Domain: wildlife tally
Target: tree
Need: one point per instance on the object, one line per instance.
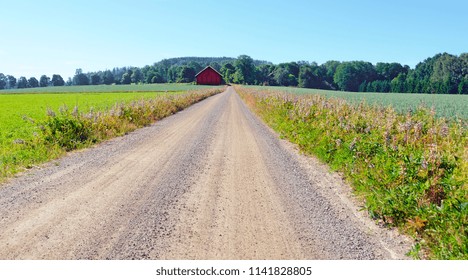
(286, 74)
(265, 75)
(57, 80)
(22, 82)
(346, 77)
(198, 67)
(227, 70)
(310, 76)
(292, 80)
(11, 81)
(350, 75)
(463, 87)
(291, 67)
(464, 63)
(126, 79)
(149, 76)
(3, 81)
(245, 70)
(281, 76)
(172, 74)
(447, 73)
(33, 82)
(80, 79)
(186, 75)
(215, 65)
(385, 86)
(117, 74)
(95, 79)
(44, 81)
(329, 69)
(363, 86)
(108, 77)
(388, 71)
(137, 76)
(398, 83)
(157, 79)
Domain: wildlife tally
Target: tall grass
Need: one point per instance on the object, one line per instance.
(70, 129)
(410, 169)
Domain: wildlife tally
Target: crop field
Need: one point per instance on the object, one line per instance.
(22, 114)
(448, 106)
(16, 110)
(109, 88)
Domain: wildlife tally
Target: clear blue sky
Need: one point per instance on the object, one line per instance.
(47, 36)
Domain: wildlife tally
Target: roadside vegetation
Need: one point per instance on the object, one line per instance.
(409, 168)
(444, 105)
(35, 128)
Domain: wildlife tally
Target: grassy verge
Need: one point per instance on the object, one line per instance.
(70, 129)
(450, 106)
(410, 169)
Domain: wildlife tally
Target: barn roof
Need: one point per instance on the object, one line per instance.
(207, 68)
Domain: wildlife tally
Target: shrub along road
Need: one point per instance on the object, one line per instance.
(211, 182)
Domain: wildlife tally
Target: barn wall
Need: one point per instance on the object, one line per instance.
(209, 77)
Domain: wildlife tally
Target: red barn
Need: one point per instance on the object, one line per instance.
(209, 76)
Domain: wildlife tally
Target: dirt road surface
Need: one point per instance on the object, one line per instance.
(211, 182)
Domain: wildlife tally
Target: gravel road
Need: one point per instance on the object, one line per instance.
(210, 182)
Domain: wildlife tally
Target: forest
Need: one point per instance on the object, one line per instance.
(441, 74)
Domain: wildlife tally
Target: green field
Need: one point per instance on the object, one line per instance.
(448, 106)
(15, 108)
(108, 88)
(21, 112)
(34, 102)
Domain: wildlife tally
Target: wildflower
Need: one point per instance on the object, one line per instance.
(405, 126)
(387, 137)
(75, 111)
(444, 130)
(418, 126)
(352, 145)
(50, 113)
(424, 163)
(28, 119)
(19, 141)
(338, 142)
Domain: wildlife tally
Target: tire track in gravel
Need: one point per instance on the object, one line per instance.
(210, 182)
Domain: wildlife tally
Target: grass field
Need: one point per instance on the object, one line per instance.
(108, 88)
(14, 109)
(448, 106)
(22, 112)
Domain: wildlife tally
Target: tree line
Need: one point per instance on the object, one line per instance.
(10, 82)
(443, 73)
